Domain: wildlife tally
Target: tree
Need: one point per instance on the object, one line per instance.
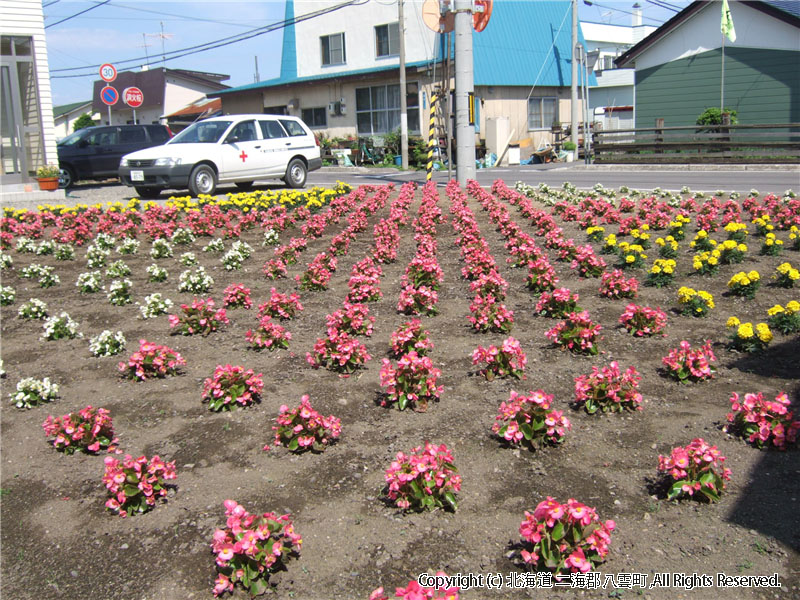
(713, 116)
(82, 122)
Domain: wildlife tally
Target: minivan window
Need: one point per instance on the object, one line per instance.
(132, 135)
(104, 137)
(158, 134)
(293, 127)
(202, 132)
(271, 130)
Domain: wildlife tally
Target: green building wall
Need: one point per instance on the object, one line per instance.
(762, 85)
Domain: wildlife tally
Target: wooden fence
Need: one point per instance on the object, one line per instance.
(771, 143)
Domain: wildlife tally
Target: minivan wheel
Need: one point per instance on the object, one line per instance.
(203, 180)
(148, 192)
(66, 177)
(296, 174)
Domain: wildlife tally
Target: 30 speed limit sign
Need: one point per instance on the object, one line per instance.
(107, 72)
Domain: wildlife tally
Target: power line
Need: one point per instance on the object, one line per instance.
(660, 4)
(76, 14)
(174, 54)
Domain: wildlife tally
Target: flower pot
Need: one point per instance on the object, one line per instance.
(48, 184)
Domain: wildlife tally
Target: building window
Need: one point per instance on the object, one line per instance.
(387, 40)
(606, 62)
(378, 108)
(542, 112)
(333, 49)
(314, 117)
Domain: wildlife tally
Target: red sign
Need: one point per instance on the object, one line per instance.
(109, 95)
(107, 72)
(133, 97)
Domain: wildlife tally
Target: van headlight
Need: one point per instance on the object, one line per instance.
(167, 162)
(123, 162)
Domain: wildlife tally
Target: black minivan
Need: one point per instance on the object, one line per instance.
(94, 152)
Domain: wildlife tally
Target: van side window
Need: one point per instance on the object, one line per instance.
(105, 137)
(293, 127)
(271, 130)
(245, 131)
(133, 135)
(158, 134)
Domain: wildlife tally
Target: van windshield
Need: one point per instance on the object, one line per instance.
(71, 139)
(202, 132)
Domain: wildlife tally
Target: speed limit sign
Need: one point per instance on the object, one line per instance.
(107, 72)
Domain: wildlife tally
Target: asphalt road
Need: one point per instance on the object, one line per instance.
(709, 180)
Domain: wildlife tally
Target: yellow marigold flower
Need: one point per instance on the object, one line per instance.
(668, 270)
(745, 331)
(660, 241)
(794, 274)
(754, 276)
(732, 322)
(655, 270)
(742, 248)
(702, 233)
(775, 310)
(630, 258)
(784, 268)
(712, 260)
(764, 334)
(793, 307)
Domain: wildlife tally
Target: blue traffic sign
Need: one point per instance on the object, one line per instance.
(109, 95)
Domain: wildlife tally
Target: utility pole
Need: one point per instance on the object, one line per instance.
(403, 100)
(465, 84)
(574, 87)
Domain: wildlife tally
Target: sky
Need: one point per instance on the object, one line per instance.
(82, 34)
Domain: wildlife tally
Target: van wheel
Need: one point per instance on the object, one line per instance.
(296, 174)
(244, 185)
(203, 180)
(148, 192)
(66, 177)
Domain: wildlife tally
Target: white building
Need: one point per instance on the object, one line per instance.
(164, 91)
(26, 126)
(612, 99)
(340, 70)
(64, 116)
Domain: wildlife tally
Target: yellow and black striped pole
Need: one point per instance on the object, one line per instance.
(431, 137)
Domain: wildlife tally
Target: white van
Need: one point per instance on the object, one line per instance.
(236, 149)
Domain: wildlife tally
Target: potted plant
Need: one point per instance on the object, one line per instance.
(569, 147)
(47, 176)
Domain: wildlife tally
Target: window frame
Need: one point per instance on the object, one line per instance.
(388, 28)
(316, 111)
(386, 109)
(540, 100)
(322, 45)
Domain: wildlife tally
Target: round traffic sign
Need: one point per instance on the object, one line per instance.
(133, 97)
(107, 72)
(109, 95)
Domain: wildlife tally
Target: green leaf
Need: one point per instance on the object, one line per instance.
(258, 586)
(527, 430)
(402, 402)
(130, 490)
(451, 499)
(558, 531)
(294, 444)
(676, 489)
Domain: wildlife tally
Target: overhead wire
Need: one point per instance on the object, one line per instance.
(240, 37)
(76, 14)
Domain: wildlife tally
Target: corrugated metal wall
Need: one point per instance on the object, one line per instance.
(762, 85)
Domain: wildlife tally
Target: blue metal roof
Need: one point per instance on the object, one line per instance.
(526, 43)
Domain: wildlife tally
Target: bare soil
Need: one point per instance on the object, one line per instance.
(58, 541)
